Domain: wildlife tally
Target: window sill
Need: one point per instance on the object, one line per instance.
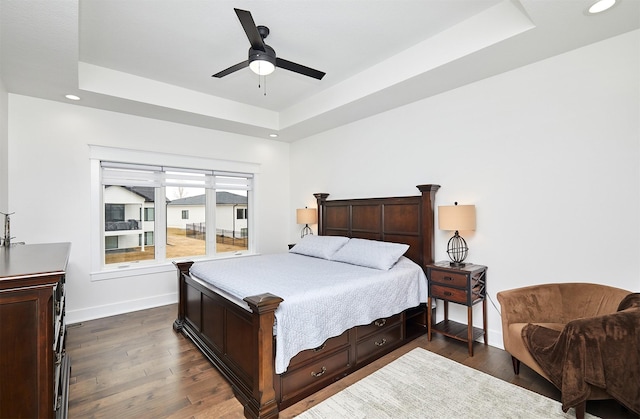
(123, 271)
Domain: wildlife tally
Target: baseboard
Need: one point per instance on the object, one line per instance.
(495, 339)
(92, 313)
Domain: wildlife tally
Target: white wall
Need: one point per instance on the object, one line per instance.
(548, 153)
(49, 190)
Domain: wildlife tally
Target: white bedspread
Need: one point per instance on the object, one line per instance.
(322, 299)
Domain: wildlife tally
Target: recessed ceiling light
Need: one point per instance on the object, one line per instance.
(72, 97)
(601, 6)
(273, 135)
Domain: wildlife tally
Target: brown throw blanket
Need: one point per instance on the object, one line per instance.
(601, 351)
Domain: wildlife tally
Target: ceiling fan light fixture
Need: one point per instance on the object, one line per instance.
(262, 67)
(262, 62)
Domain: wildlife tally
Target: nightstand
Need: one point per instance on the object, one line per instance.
(461, 285)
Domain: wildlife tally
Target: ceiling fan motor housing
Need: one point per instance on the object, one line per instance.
(267, 55)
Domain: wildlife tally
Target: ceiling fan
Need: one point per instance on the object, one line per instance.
(262, 58)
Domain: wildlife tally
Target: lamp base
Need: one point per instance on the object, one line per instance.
(457, 264)
(306, 230)
(457, 250)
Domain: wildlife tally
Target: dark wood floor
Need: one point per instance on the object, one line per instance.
(135, 365)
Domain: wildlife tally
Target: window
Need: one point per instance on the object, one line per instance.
(159, 213)
(111, 242)
(149, 214)
(113, 212)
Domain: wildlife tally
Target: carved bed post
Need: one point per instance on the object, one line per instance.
(322, 199)
(263, 402)
(428, 224)
(183, 268)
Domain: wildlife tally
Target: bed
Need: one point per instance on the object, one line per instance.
(239, 339)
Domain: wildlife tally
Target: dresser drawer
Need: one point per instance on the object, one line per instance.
(377, 325)
(326, 347)
(451, 294)
(378, 342)
(314, 373)
(452, 279)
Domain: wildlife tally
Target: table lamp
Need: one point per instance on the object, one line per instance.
(454, 218)
(306, 216)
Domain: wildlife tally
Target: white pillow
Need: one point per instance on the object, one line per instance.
(370, 253)
(319, 246)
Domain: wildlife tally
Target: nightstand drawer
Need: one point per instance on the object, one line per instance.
(450, 294)
(449, 278)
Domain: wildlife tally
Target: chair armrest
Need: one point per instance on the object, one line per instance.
(534, 304)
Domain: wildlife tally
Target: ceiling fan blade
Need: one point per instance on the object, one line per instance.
(249, 26)
(231, 69)
(299, 68)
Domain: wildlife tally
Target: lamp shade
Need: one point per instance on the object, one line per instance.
(457, 217)
(306, 216)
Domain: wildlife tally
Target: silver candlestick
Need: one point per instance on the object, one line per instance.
(7, 229)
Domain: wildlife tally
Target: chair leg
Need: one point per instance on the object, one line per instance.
(516, 365)
(580, 409)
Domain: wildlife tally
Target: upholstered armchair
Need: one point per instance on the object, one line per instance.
(554, 306)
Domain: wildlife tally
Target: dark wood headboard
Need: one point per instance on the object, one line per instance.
(407, 219)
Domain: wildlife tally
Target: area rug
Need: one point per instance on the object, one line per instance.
(421, 384)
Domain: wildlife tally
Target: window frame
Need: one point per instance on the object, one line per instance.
(101, 271)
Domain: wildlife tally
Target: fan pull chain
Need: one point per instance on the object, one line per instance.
(263, 84)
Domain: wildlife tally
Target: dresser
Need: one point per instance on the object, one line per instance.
(34, 369)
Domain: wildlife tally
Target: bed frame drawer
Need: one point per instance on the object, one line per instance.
(314, 374)
(383, 341)
(328, 346)
(377, 325)
(450, 294)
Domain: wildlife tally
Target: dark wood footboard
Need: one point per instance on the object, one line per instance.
(238, 342)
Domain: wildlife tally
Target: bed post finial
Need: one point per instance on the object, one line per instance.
(321, 198)
(428, 224)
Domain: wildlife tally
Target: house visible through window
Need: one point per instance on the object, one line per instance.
(157, 213)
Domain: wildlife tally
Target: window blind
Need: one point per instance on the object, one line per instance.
(125, 174)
